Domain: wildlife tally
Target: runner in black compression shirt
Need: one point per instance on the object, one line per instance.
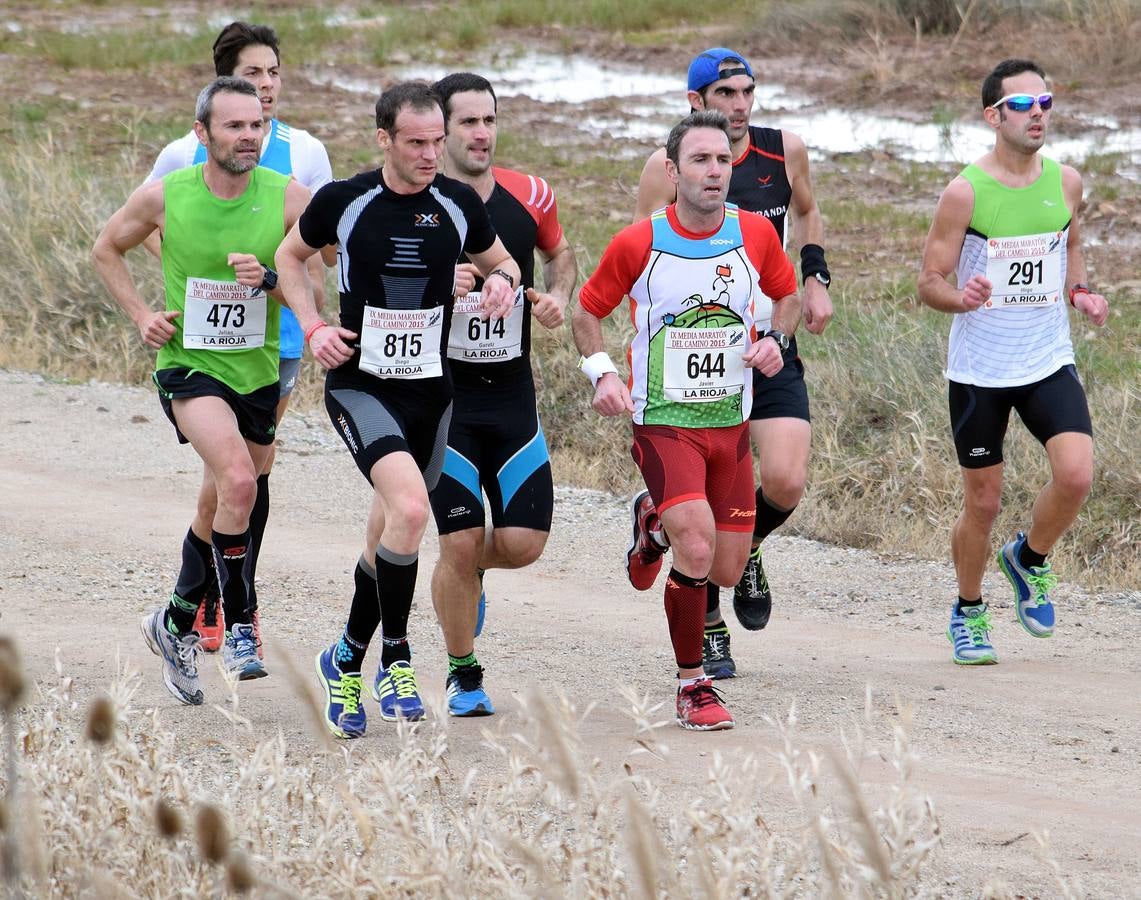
(399, 233)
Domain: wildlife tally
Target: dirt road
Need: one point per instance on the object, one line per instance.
(97, 496)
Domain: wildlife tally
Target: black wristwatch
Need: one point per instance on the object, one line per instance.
(780, 337)
(504, 275)
(269, 279)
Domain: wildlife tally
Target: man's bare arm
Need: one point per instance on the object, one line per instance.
(941, 254)
(128, 227)
(655, 190)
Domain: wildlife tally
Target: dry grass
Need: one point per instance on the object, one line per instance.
(883, 472)
(57, 318)
(111, 809)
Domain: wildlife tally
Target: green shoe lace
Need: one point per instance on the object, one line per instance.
(348, 692)
(978, 626)
(1043, 581)
(403, 682)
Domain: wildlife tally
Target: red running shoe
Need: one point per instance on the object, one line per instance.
(210, 621)
(700, 708)
(648, 544)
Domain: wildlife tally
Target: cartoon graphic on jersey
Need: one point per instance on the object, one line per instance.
(721, 283)
(695, 363)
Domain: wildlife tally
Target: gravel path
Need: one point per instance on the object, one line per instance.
(98, 496)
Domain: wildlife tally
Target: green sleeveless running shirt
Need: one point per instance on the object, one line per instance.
(223, 334)
(1002, 211)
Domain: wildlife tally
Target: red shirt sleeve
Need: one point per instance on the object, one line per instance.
(538, 198)
(778, 277)
(622, 262)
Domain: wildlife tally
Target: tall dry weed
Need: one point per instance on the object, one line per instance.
(541, 817)
(57, 317)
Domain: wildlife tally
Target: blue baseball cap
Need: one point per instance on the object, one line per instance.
(703, 71)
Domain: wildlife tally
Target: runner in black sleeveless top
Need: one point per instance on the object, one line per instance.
(495, 443)
(770, 177)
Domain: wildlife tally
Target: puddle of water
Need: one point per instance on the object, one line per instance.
(832, 131)
(658, 102)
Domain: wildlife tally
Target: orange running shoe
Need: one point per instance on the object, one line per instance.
(210, 621)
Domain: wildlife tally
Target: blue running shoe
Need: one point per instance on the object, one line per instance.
(344, 714)
(466, 696)
(1031, 589)
(969, 634)
(240, 653)
(396, 691)
(483, 606)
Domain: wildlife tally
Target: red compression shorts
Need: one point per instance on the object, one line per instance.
(711, 464)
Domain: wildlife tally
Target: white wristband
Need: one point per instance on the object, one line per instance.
(596, 365)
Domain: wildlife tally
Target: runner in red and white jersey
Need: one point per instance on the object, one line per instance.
(771, 177)
(694, 273)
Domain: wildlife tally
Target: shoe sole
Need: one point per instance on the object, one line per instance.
(252, 674)
(748, 620)
(415, 717)
(471, 713)
(722, 673)
(336, 730)
(720, 726)
(1012, 578)
(991, 660)
(634, 544)
(480, 709)
(172, 689)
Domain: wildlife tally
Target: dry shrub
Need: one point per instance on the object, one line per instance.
(884, 473)
(57, 317)
(541, 818)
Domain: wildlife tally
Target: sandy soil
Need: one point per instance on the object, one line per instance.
(98, 496)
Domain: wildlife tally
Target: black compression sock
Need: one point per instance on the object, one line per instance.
(231, 560)
(713, 605)
(259, 516)
(396, 578)
(364, 614)
(769, 517)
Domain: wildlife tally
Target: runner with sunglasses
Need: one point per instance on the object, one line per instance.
(770, 177)
(1007, 227)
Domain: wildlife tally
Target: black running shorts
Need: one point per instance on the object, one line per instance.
(256, 411)
(379, 416)
(979, 415)
(785, 395)
(495, 445)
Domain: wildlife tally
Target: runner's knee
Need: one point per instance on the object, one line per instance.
(983, 504)
(409, 512)
(237, 488)
(461, 550)
(784, 488)
(693, 547)
(520, 549)
(1073, 481)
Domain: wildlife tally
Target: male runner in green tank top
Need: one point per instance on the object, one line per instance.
(1007, 226)
(217, 340)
